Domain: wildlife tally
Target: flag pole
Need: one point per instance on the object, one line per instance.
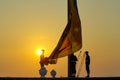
(69, 73)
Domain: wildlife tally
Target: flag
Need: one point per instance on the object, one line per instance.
(71, 39)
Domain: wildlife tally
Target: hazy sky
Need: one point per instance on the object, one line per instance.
(28, 25)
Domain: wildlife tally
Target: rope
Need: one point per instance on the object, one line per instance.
(79, 70)
(79, 54)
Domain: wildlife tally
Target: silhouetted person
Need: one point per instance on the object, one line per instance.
(87, 62)
(73, 60)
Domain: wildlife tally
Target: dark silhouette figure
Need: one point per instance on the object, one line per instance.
(73, 60)
(87, 62)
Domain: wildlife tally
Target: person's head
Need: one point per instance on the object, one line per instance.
(72, 54)
(86, 52)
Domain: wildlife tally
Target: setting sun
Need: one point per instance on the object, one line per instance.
(39, 52)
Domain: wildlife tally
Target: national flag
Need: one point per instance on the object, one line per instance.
(71, 39)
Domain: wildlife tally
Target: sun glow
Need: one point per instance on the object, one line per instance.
(39, 52)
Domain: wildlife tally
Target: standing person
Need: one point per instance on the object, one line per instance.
(73, 60)
(87, 62)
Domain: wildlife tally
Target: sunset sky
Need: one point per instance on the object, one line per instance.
(29, 25)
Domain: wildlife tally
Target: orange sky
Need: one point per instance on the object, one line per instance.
(28, 25)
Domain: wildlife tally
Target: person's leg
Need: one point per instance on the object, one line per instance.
(88, 70)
